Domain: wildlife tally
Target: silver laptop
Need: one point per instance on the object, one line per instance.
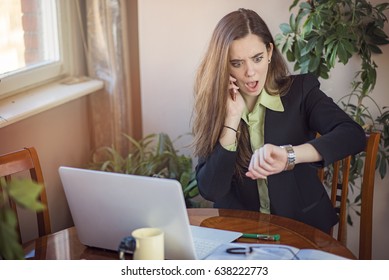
(108, 206)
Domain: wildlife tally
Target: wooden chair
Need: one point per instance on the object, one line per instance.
(339, 193)
(27, 160)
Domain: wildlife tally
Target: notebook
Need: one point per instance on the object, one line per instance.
(106, 207)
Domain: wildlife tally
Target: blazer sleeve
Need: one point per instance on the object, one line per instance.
(214, 173)
(340, 135)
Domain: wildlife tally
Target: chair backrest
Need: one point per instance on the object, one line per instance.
(339, 194)
(27, 160)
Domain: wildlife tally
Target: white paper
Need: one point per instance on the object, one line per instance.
(268, 252)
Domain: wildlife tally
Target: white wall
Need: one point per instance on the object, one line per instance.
(173, 37)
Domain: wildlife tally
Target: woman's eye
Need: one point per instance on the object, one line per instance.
(236, 64)
(257, 59)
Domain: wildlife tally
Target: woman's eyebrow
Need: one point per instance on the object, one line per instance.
(258, 54)
(235, 60)
(239, 60)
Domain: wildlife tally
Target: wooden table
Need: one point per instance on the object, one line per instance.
(64, 245)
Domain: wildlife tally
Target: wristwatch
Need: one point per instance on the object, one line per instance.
(291, 157)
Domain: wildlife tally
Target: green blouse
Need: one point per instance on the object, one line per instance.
(255, 121)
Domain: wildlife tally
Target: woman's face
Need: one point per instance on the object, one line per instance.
(249, 62)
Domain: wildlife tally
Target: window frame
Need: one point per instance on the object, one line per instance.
(72, 60)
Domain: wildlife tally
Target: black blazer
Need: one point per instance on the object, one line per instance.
(297, 194)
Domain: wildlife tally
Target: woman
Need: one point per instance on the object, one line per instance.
(255, 127)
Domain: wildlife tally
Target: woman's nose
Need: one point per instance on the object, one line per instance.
(250, 71)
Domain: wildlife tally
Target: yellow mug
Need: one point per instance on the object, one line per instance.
(144, 244)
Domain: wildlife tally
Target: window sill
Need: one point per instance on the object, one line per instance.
(26, 104)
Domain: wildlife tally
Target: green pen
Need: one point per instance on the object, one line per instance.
(272, 237)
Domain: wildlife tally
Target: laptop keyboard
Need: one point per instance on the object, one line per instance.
(204, 247)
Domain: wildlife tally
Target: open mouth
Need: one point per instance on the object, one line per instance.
(252, 86)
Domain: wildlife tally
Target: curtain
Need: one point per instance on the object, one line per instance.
(115, 110)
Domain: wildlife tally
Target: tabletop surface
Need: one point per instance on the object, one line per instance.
(65, 245)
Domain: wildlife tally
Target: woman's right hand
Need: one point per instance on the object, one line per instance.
(235, 107)
(235, 104)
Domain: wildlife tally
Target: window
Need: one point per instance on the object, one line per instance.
(34, 42)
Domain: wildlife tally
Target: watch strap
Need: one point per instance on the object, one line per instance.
(291, 161)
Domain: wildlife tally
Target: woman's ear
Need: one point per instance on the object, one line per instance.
(270, 51)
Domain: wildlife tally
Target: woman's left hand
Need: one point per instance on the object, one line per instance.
(267, 160)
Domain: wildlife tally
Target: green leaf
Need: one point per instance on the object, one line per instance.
(316, 20)
(332, 59)
(307, 28)
(184, 179)
(193, 192)
(349, 220)
(309, 46)
(324, 71)
(319, 46)
(288, 44)
(295, 2)
(25, 193)
(285, 28)
(300, 16)
(279, 40)
(292, 22)
(330, 39)
(10, 248)
(290, 56)
(296, 67)
(314, 64)
(350, 48)
(342, 53)
(375, 49)
(357, 198)
(377, 35)
(305, 6)
(304, 65)
(382, 168)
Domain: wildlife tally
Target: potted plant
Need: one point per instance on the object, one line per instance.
(324, 32)
(153, 155)
(25, 194)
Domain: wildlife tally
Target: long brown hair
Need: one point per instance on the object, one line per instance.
(211, 84)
